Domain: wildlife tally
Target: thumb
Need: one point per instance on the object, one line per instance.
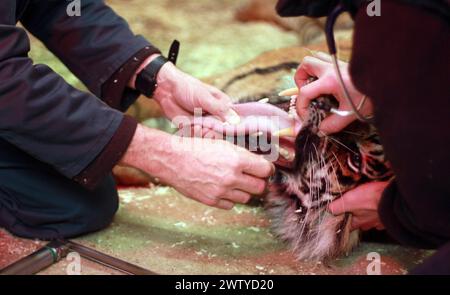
(217, 103)
(335, 123)
(337, 207)
(349, 202)
(310, 92)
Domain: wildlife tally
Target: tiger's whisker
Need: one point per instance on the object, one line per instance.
(343, 145)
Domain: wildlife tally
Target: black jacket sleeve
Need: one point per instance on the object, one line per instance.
(93, 46)
(39, 112)
(43, 115)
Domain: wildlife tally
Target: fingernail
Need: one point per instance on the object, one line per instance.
(232, 117)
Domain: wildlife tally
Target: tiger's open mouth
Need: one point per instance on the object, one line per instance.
(259, 124)
(324, 168)
(311, 172)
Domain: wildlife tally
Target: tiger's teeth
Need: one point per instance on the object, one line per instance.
(285, 153)
(289, 92)
(300, 210)
(264, 100)
(287, 132)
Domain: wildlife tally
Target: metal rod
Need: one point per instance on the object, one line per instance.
(58, 249)
(38, 261)
(107, 260)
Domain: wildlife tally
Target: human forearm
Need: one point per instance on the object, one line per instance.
(150, 150)
(215, 173)
(93, 46)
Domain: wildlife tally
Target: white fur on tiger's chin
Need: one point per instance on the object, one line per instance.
(319, 244)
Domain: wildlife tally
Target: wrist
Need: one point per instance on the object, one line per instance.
(132, 83)
(145, 78)
(166, 80)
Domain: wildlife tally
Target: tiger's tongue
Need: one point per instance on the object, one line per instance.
(256, 118)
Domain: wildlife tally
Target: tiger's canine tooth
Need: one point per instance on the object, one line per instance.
(284, 153)
(287, 132)
(289, 92)
(264, 100)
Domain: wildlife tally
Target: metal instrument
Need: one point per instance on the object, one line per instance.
(56, 250)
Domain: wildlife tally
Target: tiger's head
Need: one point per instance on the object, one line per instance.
(325, 167)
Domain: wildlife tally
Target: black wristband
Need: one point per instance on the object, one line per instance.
(146, 81)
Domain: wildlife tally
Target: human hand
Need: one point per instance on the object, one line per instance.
(213, 172)
(362, 202)
(321, 66)
(180, 94)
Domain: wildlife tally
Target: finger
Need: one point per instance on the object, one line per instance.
(237, 196)
(255, 165)
(310, 67)
(363, 223)
(349, 202)
(211, 105)
(224, 204)
(363, 197)
(211, 134)
(325, 57)
(218, 94)
(335, 123)
(310, 92)
(197, 131)
(251, 185)
(172, 110)
(356, 223)
(216, 103)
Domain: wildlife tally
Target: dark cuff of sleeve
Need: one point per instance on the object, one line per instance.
(115, 91)
(92, 175)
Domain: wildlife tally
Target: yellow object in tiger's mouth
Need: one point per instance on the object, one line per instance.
(289, 92)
